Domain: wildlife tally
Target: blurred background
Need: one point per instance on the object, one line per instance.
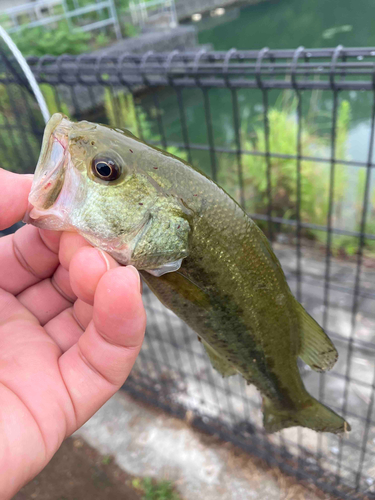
(274, 99)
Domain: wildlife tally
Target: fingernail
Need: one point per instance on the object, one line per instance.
(105, 259)
(136, 273)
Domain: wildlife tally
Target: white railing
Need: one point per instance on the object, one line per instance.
(40, 13)
(151, 12)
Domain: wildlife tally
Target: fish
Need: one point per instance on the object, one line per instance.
(197, 250)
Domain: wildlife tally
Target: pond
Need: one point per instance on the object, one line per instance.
(287, 24)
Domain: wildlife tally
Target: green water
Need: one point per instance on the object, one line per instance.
(288, 24)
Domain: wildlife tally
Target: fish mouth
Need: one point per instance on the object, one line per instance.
(50, 171)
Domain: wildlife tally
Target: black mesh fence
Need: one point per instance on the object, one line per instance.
(290, 135)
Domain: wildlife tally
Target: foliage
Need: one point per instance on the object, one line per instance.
(349, 245)
(120, 109)
(283, 171)
(315, 175)
(38, 41)
(129, 30)
(82, 3)
(20, 147)
(100, 40)
(50, 97)
(5, 21)
(314, 178)
(60, 38)
(153, 490)
(107, 459)
(121, 113)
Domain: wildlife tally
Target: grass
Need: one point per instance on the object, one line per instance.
(153, 490)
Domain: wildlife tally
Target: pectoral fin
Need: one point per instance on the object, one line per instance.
(219, 363)
(316, 350)
(170, 267)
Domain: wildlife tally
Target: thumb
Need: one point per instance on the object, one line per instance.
(14, 192)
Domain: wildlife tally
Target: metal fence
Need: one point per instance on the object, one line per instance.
(290, 134)
(153, 13)
(48, 13)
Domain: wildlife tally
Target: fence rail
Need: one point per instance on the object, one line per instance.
(334, 69)
(290, 135)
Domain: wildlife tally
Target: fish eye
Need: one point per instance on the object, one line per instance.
(105, 169)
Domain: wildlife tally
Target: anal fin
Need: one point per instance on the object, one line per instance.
(219, 363)
(316, 349)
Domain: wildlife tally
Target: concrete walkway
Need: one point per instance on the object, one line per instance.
(148, 442)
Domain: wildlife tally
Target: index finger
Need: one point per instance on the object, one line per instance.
(15, 189)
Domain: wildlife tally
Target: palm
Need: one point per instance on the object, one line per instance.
(70, 331)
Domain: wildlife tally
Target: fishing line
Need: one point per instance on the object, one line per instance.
(28, 73)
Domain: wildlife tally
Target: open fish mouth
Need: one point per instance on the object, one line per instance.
(50, 171)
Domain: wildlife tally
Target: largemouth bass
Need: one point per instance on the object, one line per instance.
(197, 250)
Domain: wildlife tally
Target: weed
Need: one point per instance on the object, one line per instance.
(107, 459)
(153, 490)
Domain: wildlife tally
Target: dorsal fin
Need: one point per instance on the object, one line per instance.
(316, 349)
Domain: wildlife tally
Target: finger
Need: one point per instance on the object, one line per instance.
(70, 243)
(67, 327)
(86, 268)
(83, 313)
(29, 369)
(11, 309)
(15, 189)
(49, 297)
(64, 329)
(95, 367)
(25, 260)
(51, 239)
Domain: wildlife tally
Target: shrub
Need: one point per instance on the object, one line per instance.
(38, 41)
(314, 174)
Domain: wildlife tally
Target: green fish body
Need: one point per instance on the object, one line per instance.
(198, 251)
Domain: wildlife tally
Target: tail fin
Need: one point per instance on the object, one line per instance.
(313, 415)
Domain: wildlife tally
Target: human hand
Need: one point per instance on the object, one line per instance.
(71, 326)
